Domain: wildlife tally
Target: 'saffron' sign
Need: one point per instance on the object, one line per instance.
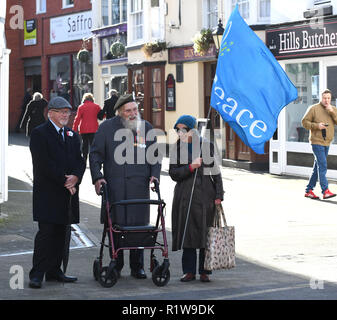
(71, 27)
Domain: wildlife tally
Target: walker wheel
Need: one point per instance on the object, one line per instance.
(159, 277)
(96, 269)
(108, 277)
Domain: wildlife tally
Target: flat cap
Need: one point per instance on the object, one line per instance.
(58, 103)
(123, 100)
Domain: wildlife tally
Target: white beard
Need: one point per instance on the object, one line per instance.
(132, 124)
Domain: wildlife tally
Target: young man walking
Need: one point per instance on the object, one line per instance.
(320, 119)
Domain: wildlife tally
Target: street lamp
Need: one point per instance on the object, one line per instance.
(217, 36)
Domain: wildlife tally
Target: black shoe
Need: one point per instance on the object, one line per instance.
(60, 278)
(139, 274)
(187, 277)
(35, 283)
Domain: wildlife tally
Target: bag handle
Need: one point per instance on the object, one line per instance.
(219, 213)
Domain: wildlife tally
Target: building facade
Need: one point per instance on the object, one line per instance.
(307, 50)
(44, 50)
(4, 77)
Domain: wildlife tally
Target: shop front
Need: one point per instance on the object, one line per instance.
(307, 53)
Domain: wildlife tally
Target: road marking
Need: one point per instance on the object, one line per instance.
(301, 286)
(77, 235)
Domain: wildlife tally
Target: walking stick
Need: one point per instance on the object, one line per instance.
(194, 179)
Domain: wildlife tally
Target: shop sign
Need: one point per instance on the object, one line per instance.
(29, 37)
(310, 39)
(184, 54)
(71, 27)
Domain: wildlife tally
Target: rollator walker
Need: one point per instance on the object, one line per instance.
(132, 237)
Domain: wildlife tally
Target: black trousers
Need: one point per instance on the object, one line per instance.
(87, 139)
(189, 261)
(48, 250)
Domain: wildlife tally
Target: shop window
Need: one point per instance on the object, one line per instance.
(138, 88)
(59, 76)
(82, 79)
(41, 6)
(120, 84)
(243, 7)
(106, 44)
(136, 19)
(305, 76)
(156, 98)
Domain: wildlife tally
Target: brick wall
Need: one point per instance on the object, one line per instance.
(43, 49)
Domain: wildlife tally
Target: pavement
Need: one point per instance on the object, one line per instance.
(286, 245)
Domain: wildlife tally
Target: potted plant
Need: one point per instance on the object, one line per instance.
(117, 49)
(152, 47)
(202, 41)
(83, 55)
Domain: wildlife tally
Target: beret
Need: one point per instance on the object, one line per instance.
(188, 121)
(58, 103)
(126, 98)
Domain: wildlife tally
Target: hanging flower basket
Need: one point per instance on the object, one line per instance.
(152, 47)
(202, 41)
(117, 49)
(83, 55)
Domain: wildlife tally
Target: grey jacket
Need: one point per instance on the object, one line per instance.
(128, 180)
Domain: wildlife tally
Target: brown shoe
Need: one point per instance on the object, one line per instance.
(187, 277)
(204, 278)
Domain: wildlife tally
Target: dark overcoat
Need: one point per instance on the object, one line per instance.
(108, 107)
(126, 179)
(208, 187)
(52, 160)
(34, 115)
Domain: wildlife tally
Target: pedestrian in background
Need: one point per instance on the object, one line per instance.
(125, 179)
(320, 119)
(58, 168)
(26, 99)
(86, 122)
(208, 191)
(109, 105)
(35, 113)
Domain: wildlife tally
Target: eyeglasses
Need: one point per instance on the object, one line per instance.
(182, 130)
(63, 112)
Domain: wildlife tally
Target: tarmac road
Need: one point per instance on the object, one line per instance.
(285, 244)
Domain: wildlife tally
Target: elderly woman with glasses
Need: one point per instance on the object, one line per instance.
(186, 160)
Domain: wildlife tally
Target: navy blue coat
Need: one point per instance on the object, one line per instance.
(52, 160)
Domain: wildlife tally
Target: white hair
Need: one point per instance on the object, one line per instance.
(37, 96)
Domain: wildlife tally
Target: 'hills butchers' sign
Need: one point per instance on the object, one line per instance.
(306, 40)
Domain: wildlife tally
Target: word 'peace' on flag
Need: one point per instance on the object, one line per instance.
(250, 88)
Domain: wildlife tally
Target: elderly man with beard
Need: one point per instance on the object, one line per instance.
(120, 145)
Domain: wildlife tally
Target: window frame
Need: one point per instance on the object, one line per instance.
(38, 7)
(66, 6)
(133, 17)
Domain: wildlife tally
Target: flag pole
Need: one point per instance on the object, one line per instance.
(194, 179)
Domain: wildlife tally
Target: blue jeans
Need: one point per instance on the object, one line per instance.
(189, 261)
(320, 168)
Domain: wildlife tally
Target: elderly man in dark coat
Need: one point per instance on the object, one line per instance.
(120, 145)
(109, 105)
(58, 168)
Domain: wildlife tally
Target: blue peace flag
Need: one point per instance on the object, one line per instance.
(250, 88)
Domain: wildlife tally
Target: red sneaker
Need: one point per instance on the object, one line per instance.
(327, 194)
(310, 194)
